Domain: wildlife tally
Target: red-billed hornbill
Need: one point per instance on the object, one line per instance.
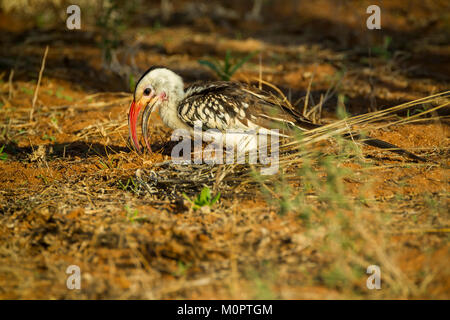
(220, 105)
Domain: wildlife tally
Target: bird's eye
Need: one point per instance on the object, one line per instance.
(147, 91)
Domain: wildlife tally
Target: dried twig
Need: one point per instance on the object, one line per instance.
(36, 91)
(305, 106)
(10, 87)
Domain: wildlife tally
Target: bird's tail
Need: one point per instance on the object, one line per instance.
(384, 145)
(391, 147)
(366, 140)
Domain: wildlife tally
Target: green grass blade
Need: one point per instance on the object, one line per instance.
(216, 198)
(241, 62)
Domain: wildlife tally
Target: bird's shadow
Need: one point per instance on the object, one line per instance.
(164, 148)
(77, 149)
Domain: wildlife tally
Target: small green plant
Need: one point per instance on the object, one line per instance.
(230, 65)
(157, 25)
(107, 163)
(410, 113)
(47, 137)
(60, 95)
(45, 19)
(131, 82)
(130, 185)
(27, 91)
(383, 51)
(203, 199)
(103, 165)
(182, 269)
(133, 215)
(3, 155)
(334, 278)
(43, 178)
(341, 110)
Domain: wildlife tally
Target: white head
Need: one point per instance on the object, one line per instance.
(157, 88)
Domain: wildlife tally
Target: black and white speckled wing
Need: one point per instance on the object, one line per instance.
(230, 106)
(212, 105)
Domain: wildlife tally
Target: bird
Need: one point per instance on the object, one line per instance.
(225, 107)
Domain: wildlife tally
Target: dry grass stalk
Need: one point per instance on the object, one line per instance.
(36, 91)
(10, 86)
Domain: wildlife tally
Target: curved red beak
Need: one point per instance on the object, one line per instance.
(132, 124)
(133, 116)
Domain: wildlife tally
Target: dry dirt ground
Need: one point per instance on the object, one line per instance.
(69, 194)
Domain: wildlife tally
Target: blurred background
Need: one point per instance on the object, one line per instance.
(292, 40)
